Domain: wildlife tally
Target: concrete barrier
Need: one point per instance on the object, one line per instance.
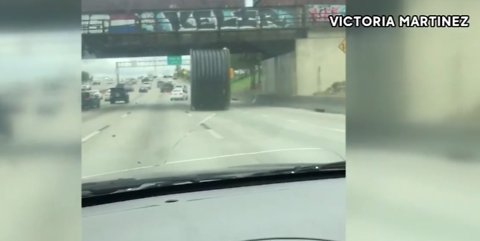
(327, 104)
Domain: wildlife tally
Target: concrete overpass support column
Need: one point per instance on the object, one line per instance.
(278, 75)
(319, 61)
(267, 76)
(286, 73)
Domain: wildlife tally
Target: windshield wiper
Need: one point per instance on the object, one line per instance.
(233, 173)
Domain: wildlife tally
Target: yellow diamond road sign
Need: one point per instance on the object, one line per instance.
(343, 46)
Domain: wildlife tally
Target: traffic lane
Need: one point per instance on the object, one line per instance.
(264, 137)
(152, 100)
(144, 138)
(110, 113)
(106, 116)
(92, 113)
(204, 140)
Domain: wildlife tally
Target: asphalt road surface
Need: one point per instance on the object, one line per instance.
(152, 131)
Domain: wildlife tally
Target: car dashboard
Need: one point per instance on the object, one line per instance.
(312, 210)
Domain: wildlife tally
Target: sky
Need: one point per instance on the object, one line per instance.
(100, 68)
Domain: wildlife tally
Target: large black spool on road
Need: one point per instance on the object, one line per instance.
(210, 81)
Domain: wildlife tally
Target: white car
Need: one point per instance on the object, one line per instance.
(86, 87)
(97, 93)
(178, 94)
(106, 96)
(147, 85)
(182, 87)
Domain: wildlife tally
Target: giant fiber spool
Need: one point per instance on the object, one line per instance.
(210, 79)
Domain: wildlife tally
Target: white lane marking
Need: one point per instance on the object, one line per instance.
(119, 171)
(264, 115)
(103, 128)
(90, 136)
(124, 115)
(207, 118)
(189, 114)
(215, 134)
(333, 129)
(294, 121)
(246, 154)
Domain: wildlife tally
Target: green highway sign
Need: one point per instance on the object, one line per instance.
(174, 60)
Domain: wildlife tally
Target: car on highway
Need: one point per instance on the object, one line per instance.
(96, 82)
(119, 94)
(86, 87)
(178, 94)
(7, 108)
(166, 88)
(106, 95)
(97, 93)
(160, 83)
(147, 85)
(90, 100)
(183, 87)
(129, 88)
(132, 81)
(143, 89)
(146, 80)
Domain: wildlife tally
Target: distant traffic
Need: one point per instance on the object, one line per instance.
(97, 90)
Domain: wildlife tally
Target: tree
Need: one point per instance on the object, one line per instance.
(86, 76)
(247, 61)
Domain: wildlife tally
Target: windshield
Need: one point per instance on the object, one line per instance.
(229, 94)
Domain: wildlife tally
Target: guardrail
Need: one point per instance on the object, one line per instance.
(226, 19)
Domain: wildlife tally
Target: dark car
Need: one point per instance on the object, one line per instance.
(129, 88)
(143, 89)
(90, 101)
(146, 81)
(160, 83)
(119, 94)
(6, 123)
(167, 87)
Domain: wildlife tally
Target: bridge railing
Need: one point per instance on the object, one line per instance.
(194, 20)
(292, 17)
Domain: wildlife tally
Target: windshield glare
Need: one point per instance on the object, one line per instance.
(199, 100)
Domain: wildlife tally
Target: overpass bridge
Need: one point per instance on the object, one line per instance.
(267, 30)
(299, 48)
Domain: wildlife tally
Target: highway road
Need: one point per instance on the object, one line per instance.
(154, 132)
